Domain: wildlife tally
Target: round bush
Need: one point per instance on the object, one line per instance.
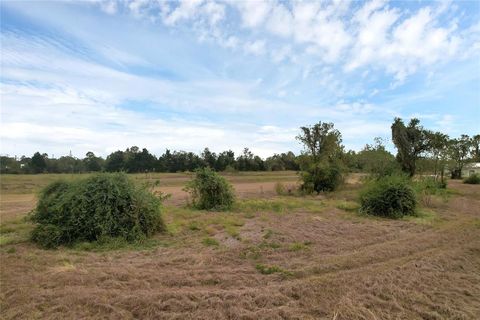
(100, 206)
(472, 179)
(210, 191)
(390, 196)
(321, 177)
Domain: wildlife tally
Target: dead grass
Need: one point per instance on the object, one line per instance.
(270, 258)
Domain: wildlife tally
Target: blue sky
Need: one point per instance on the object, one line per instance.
(105, 75)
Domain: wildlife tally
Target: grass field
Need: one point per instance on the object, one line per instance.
(271, 257)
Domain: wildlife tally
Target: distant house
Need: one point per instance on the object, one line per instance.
(471, 168)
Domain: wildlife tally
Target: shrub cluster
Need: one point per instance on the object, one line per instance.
(100, 206)
(321, 177)
(472, 179)
(390, 196)
(210, 191)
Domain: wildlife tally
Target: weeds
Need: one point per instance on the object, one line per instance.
(210, 242)
(264, 269)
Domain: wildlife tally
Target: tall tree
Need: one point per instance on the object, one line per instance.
(475, 142)
(458, 151)
(322, 141)
(92, 162)
(38, 162)
(410, 141)
(437, 146)
(115, 161)
(321, 163)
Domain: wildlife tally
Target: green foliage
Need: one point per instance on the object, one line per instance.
(376, 160)
(264, 269)
(390, 197)
(38, 163)
(321, 165)
(210, 191)
(318, 177)
(102, 205)
(472, 179)
(210, 242)
(411, 141)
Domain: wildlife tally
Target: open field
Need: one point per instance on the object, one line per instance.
(271, 257)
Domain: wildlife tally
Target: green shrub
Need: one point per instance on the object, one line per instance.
(321, 177)
(390, 196)
(102, 205)
(210, 191)
(472, 179)
(430, 185)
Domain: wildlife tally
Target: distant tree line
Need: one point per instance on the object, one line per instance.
(134, 160)
(418, 150)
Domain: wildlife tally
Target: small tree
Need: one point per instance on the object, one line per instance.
(411, 142)
(321, 165)
(458, 151)
(376, 160)
(437, 147)
(210, 191)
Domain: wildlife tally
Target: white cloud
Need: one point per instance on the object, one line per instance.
(187, 9)
(253, 13)
(280, 21)
(256, 47)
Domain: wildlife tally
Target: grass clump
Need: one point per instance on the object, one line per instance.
(472, 179)
(390, 196)
(210, 242)
(100, 206)
(299, 246)
(210, 191)
(264, 269)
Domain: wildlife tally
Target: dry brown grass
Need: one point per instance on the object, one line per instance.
(330, 264)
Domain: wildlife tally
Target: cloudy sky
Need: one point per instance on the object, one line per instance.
(104, 75)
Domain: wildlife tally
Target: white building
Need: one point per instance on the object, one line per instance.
(471, 168)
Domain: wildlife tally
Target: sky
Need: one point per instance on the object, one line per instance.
(102, 76)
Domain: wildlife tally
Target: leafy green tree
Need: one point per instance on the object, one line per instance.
(410, 141)
(92, 162)
(9, 165)
(321, 141)
(475, 151)
(247, 161)
(376, 160)
(210, 158)
(437, 147)
(225, 159)
(115, 162)
(38, 162)
(321, 162)
(459, 150)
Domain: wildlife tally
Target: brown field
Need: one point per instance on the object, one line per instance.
(272, 257)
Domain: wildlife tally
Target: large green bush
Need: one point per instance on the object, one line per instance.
(390, 196)
(321, 177)
(472, 179)
(210, 191)
(100, 206)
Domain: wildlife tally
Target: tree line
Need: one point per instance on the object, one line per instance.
(418, 150)
(134, 160)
